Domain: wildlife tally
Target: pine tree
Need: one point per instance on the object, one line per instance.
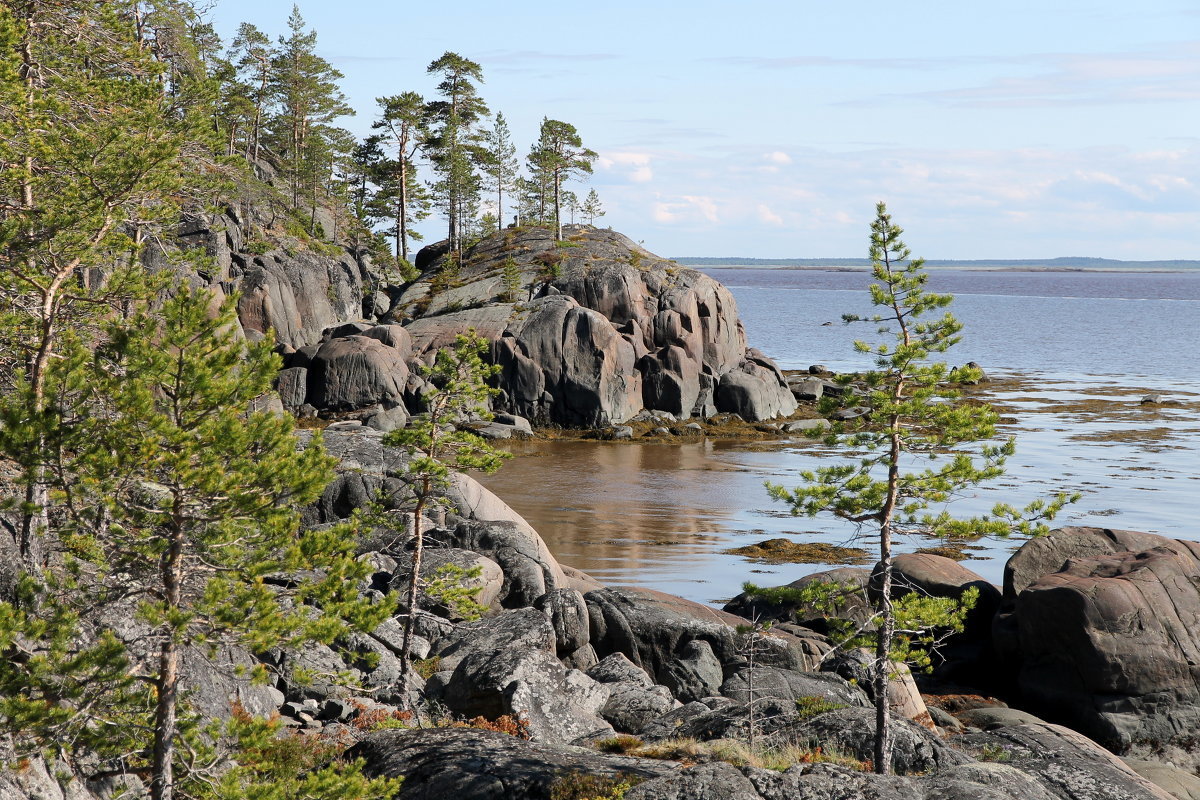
(304, 90)
(251, 55)
(401, 121)
(437, 447)
(454, 141)
(92, 152)
(913, 415)
(558, 156)
(501, 165)
(591, 207)
(175, 492)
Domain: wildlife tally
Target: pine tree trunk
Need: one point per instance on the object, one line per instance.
(413, 589)
(162, 782)
(402, 213)
(557, 222)
(883, 663)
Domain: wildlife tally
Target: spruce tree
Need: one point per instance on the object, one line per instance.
(912, 414)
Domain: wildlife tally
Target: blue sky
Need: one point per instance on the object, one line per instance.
(770, 129)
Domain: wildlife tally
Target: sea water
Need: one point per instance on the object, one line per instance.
(1086, 346)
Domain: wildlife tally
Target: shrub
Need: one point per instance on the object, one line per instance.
(581, 786)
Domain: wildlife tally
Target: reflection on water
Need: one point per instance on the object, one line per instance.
(662, 515)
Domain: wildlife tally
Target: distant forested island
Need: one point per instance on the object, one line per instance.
(1068, 263)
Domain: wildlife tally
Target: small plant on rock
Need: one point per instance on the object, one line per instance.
(581, 786)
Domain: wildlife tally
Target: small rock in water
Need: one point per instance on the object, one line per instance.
(1152, 399)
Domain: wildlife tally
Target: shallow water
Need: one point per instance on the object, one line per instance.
(662, 515)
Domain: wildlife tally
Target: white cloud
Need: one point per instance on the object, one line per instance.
(778, 157)
(633, 166)
(687, 208)
(768, 216)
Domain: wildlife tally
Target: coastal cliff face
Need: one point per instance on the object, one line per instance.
(286, 282)
(588, 332)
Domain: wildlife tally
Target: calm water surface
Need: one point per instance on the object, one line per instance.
(661, 515)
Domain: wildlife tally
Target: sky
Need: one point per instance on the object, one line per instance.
(1018, 129)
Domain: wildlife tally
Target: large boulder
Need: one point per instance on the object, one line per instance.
(298, 296)
(755, 391)
(529, 569)
(852, 731)
(1101, 629)
(565, 363)
(1063, 761)
(506, 665)
(662, 634)
(481, 765)
(354, 372)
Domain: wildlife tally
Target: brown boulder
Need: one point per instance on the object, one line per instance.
(1107, 638)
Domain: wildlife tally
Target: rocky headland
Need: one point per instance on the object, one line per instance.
(589, 333)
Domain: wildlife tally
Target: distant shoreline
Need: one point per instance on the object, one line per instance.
(935, 268)
(1068, 264)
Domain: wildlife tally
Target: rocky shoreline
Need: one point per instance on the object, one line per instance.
(1093, 629)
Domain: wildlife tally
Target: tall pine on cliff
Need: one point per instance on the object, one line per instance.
(558, 156)
(401, 198)
(454, 142)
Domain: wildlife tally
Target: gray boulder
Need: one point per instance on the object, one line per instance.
(694, 673)
(654, 630)
(915, 749)
(786, 684)
(464, 764)
(298, 296)
(1066, 763)
(521, 676)
(529, 569)
(569, 615)
(755, 392)
(630, 706)
(521, 630)
(616, 668)
(356, 371)
(292, 385)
